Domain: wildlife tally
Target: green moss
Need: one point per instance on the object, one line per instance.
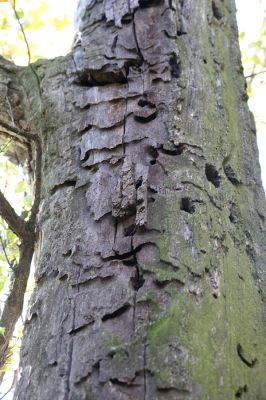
(149, 296)
(206, 332)
(111, 342)
(209, 332)
(167, 327)
(164, 273)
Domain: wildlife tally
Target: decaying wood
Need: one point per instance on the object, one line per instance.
(152, 253)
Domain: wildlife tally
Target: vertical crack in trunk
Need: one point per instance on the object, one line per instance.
(136, 40)
(124, 130)
(145, 368)
(134, 314)
(69, 366)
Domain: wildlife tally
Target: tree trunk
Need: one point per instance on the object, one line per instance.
(149, 281)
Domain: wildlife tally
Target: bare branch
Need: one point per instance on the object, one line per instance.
(255, 74)
(26, 42)
(4, 147)
(22, 30)
(32, 137)
(14, 221)
(14, 131)
(25, 230)
(12, 384)
(6, 256)
(14, 303)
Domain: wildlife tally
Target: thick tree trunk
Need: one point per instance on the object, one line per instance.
(152, 222)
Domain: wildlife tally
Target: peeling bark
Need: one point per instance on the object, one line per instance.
(152, 252)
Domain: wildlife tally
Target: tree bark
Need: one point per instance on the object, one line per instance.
(151, 260)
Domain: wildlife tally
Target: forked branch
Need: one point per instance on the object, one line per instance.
(26, 231)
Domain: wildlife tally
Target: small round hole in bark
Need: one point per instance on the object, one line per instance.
(187, 205)
(139, 183)
(216, 11)
(212, 175)
(240, 391)
(145, 102)
(130, 230)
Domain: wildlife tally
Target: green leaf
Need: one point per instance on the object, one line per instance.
(21, 187)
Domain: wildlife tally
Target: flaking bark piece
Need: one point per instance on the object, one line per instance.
(124, 196)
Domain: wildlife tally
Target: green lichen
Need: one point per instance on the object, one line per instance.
(209, 332)
(163, 274)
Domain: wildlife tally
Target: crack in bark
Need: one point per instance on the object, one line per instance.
(66, 183)
(124, 130)
(240, 352)
(134, 313)
(205, 191)
(69, 366)
(116, 313)
(127, 254)
(136, 39)
(71, 334)
(144, 368)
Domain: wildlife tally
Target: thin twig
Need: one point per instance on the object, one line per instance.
(6, 256)
(4, 146)
(38, 168)
(18, 132)
(12, 385)
(10, 111)
(37, 197)
(14, 303)
(26, 42)
(22, 30)
(255, 74)
(26, 230)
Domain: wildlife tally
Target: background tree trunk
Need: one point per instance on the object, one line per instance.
(152, 222)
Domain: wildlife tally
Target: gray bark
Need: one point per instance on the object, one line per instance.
(149, 281)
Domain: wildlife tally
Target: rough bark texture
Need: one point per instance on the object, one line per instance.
(152, 224)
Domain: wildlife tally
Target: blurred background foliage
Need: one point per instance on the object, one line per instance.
(43, 21)
(251, 18)
(49, 32)
(254, 56)
(48, 29)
